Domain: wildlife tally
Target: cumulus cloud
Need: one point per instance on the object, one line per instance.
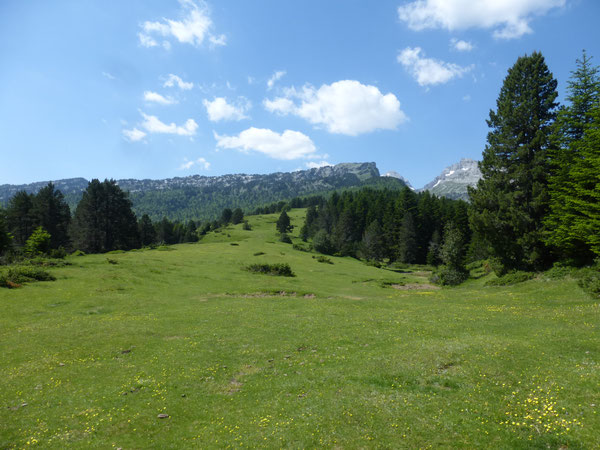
(344, 107)
(194, 26)
(220, 109)
(155, 97)
(461, 46)
(152, 124)
(508, 19)
(274, 78)
(200, 162)
(285, 146)
(134, 135)
(427, 71)
(173, 80)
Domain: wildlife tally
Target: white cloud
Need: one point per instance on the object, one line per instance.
(108, 75)
(274, 78)
(427, 71)
(155, 97)
(173, 80)
(220, 109)
(193, 28)
(152, 124)
(344, 107)
(316, 165)
(134, 135)
(286, 146)
(461, 46)
(200, 162)
(508, 19)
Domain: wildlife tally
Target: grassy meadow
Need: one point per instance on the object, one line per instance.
(342, 355)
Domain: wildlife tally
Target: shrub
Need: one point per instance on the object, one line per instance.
(15, 276)
(324, 259)
(282, 269)
(301, 247)
(511, 278)
(558, 272)
(285, 238)
(58, 253)
(589, 280)
(322, 243)
(78, 253)
(246, 226)
(449, 276)
(259, 253)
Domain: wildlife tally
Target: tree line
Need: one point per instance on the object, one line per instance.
(102, 221)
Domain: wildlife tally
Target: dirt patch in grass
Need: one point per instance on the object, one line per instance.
(415, 287)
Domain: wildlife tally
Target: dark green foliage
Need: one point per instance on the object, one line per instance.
(510, 278)
(452, 253)
(246, 226)
(324, 259)
(511, 199)
(322, 243)
(146, 231)
(165, 232)
(19, 217)
(259, 253)
(50, 211)
(226, 215)
(103, 220)
(283, 223)
(38, 243)
(282, 269)
(17, 275)
(237, 216)
(406, 222)
(433, 249)
(407, 240)
(372, 242)
(285, 238)
(5, 236)
(574, 165)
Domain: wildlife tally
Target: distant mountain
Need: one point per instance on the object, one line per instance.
(201, 197)
(454, 180)
(394, 174)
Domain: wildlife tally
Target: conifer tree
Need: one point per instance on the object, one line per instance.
(407, 245)
(567, 162)
(283, 223)
(372, 242)
(511, 199)
(5, 236)
(19, 217)
(146, 231)
(50, 211)
(103, 219)
(237, 216)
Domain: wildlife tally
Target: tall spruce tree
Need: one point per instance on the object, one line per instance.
(50, 211)
(103, 219)
(511, 199)
(19, 217)
(5, 236)
(567, 161)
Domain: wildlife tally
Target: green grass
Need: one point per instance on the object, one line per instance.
(343, 355)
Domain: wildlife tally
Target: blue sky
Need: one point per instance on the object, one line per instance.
(158, 89)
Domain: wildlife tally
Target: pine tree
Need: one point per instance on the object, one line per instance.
(5, 236)
(50, 211)
(283, 223)
(103, 219)
(237, 216)
(146, 231)
(408, 245)
(19, 217)
(453, 254)
(372, 242)
(511, 199)
(566, 159)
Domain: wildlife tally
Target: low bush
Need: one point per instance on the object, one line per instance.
(447, 276)
(302, 248)
(259, 253)
(15, 276)
(511, 278)
(282, 269)
(589, 280)
(558, 272)
(78, 253)
(285, 238)
(323, 259)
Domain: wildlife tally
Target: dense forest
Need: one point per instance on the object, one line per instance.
(538, 202)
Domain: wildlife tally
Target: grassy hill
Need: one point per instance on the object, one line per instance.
(342, 355)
